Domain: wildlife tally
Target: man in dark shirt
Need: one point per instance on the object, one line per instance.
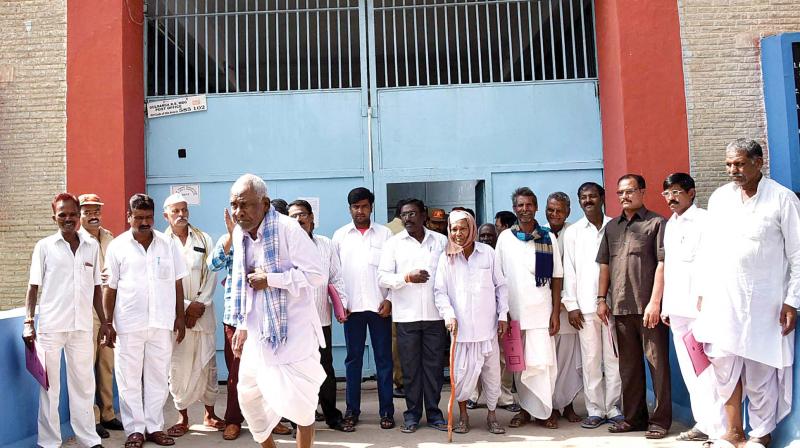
(631, 258)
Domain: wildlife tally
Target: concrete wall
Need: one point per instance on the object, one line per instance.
(33, 43)
(722, 72)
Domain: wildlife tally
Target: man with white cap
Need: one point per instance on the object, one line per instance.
(92, 227)
(193, 370)
(276, 268)
(472, 298)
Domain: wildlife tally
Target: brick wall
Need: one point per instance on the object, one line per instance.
(722, 71)
(33, 45)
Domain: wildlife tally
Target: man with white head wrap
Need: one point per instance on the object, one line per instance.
(471, 296)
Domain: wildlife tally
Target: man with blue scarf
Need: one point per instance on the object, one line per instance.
(276, 268)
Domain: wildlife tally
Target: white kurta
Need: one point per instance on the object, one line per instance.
(751, 267)
(193, 370)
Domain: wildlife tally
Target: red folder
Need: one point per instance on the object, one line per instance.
(700, 361)
(35, 365)
(512, 346)
(336, 301)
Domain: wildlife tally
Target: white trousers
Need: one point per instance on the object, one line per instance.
(536, 384)
(78, 348)
(269, 392)
(193, 370)
(602, 384)
(568, 379)
(142, 362)
(478, 361)
(707, 407)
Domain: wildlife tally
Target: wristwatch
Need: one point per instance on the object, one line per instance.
(600, 299)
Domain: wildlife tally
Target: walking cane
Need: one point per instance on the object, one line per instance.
(452, 387)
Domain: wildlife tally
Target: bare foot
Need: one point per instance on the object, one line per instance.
(736, 439)
(552, 422)
(570, 415)
(212, 421)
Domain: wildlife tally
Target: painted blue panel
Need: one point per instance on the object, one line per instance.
(267, 133)
(472, 126)
(780, 103)
(542, 183)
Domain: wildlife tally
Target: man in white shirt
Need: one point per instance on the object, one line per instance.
(144, 305)
(750, 292)
(568, 351)
(276, 269)
(65, 267)
(602, 385)
(359, 246)
(472, 298)
(408, 268)
(193, 370)
(331, 269)
(530, 260)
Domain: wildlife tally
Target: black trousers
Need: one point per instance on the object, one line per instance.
(327, 392)
(635, 343)
(420, 345)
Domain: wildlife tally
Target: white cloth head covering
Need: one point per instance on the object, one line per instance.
(174, 199)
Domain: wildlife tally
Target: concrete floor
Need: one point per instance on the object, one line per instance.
(369, 434)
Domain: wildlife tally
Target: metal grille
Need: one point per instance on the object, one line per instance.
(440, 42)
(230, 46)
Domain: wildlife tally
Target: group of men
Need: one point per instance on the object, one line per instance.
(588, 303)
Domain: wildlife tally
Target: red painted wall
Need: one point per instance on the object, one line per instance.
(105, 97)
(642, 100)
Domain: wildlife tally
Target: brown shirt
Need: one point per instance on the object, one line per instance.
(632, 250)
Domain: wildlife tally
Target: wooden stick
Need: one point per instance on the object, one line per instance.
(452, 387)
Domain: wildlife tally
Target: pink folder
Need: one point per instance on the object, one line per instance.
(336, 301)
(698, 356)
(512, 346)
(35, 365)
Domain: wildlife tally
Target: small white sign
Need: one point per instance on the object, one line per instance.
(174, 106)
(189, 191)
(314, 208)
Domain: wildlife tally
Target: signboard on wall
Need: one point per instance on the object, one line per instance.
(189, 191)
(174, 106)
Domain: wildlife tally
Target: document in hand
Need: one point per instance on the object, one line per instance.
(336, 301)
(700, 361)
(34, 362)
(512, 346)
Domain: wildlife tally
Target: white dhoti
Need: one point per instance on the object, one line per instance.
(568, 380)
(707, 407)
(193, 370)
(506, 382)
(269, 392)
(768, 389)
(478, 361)
(141, 364)
(536, 384)
(602, 384)
(79, 350)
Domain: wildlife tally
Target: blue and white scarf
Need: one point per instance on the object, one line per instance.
(274, 327)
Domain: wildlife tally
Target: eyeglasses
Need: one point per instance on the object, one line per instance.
(406, 215)
(622, 193)
(299, 215)
(671, 193)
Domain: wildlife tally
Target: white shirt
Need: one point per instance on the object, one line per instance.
(530, 304)
(411, 302)
(201, 282)
(682, 239)
(473, 291)
(145, 281)
(300, 273)
(581, 271)
(750, 257)
(360, 256)
(332, 271)
(66, 283)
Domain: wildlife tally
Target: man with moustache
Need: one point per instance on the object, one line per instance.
(531, 262)
(631, 257)
(504, 220)
(599, 361)
(92, 227)
(193, 370)
(144, 305)
(682, 239)
(750, 293)
(359, 244)
(66, 268)
(568, 352)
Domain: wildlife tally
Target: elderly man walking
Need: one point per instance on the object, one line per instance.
(750, 293)
(276, 268)
(193, 370)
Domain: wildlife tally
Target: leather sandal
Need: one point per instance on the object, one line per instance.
(520, 419)
(178, 430)
(160, 438)
(621, 427)
(461, 427)
(343, 426)
(281, 430)
(232, 431)
(495, 428)
(387, 422)
(135, 440)
(692, 435)
(655, 432)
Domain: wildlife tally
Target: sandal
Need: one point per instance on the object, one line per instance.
(232, 432)
(343, 426)
(520, 419)
(178, 430)
(692, 435)
(281, 430)
(351, 420)
(160, 438)
(550, 423)
(655, 432)
(759, 442)
(387, 422)
(495, 428)
(592, 422)
(622, 427)
(461, 427)
(135, 440)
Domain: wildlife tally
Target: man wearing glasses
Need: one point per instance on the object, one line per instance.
(631, 258)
